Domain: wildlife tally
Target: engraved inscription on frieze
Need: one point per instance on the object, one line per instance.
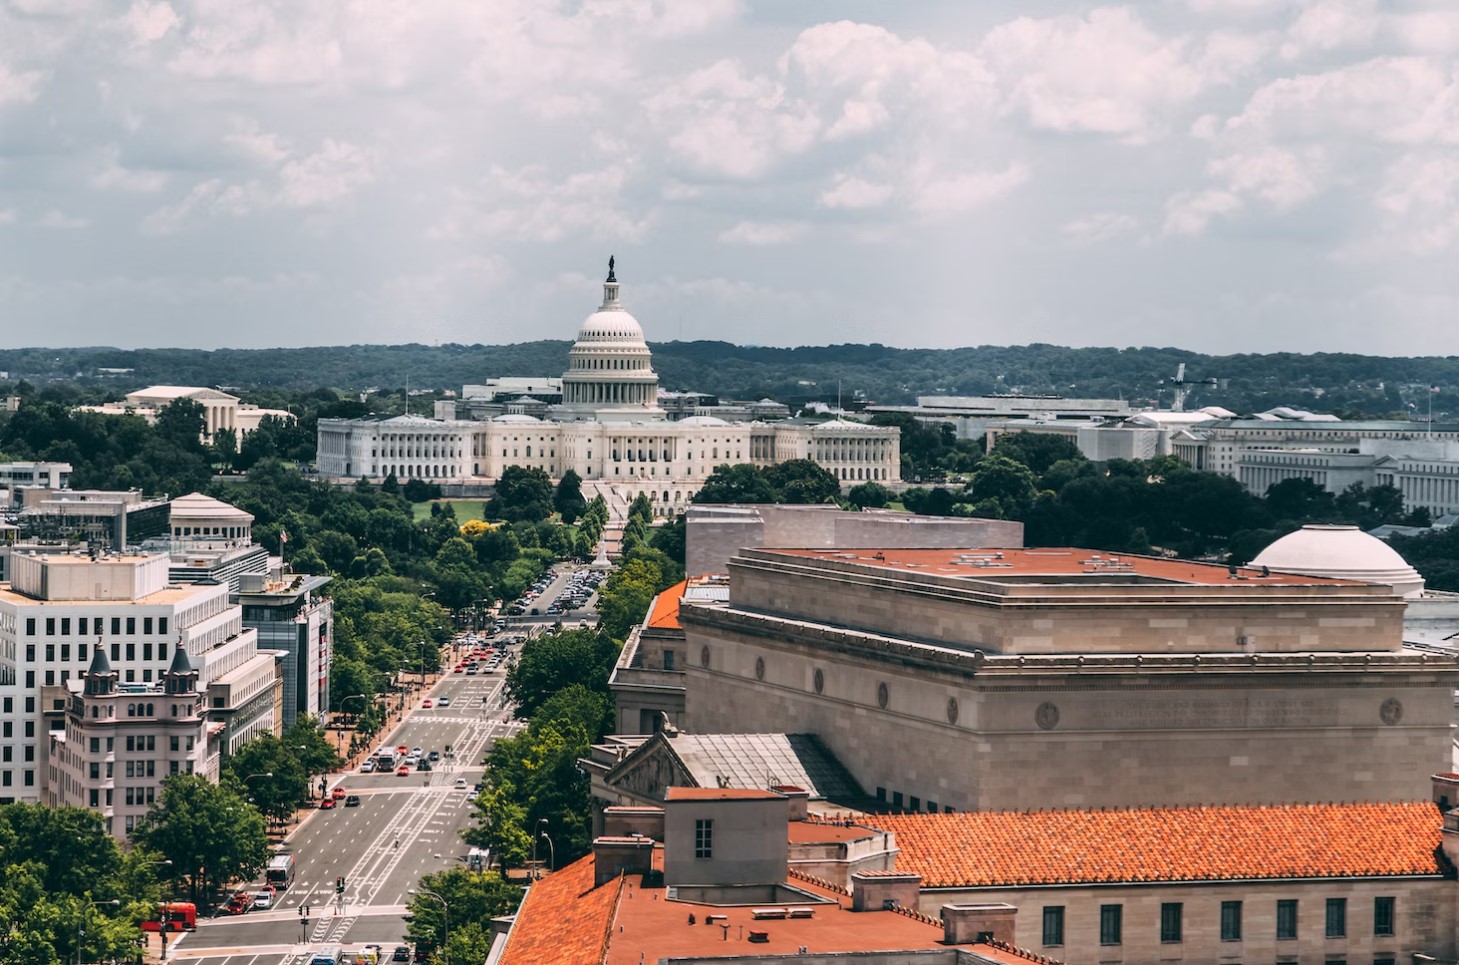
(1150, 712)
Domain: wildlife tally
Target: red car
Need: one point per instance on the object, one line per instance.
(337, 793)
(326, 803)
(402, 750)
(402, 771)
(240, 903)
(427, 704)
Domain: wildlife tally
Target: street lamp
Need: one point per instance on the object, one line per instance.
(445, 920)
(551, 852)
(537, 829)
(339, 734)
(81, 921)
(162, 916)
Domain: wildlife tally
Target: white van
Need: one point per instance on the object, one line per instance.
(478, 859)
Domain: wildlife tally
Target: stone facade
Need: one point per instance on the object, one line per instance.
(1090, 695)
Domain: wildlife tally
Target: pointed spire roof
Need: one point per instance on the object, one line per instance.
(181, 664)
(99, 663)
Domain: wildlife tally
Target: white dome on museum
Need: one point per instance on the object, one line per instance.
(1341, 552)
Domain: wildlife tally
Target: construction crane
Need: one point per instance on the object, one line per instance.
(1183, 387)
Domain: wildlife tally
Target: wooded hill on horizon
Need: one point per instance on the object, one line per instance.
(1344, 383)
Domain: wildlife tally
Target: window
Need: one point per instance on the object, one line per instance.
(1337, 917)
(162, 624)
(668, 660)
(1053, 924)
(65, 626)
(116, 626)
(131, 625)
(50, 626)
(703, 838)
(1287, 918)
(1230, 921)
(1170, 915)
(1383, 916)
(147, 625)
(30, 626)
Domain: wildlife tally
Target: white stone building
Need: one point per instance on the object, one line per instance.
(223, 411)
(608, 428)
(57, 610)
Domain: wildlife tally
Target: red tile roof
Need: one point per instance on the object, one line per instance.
(665, 612)
(719, 794)
(564, 919)
(997, 848)
(1047, 561)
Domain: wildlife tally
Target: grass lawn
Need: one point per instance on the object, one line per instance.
(465, 508)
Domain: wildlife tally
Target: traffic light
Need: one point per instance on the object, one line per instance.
(339, 885)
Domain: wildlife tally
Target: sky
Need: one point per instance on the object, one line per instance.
(1219, 175)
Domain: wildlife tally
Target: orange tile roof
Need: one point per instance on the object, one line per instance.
(665, 612)
(998, 848)
(564, 919)
(1048, 561)
(719, 794)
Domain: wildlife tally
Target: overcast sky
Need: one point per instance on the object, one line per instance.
(1220, 175)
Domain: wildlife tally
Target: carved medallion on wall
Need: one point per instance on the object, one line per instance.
(952, 710)
(818, 680)
(704, 657)
(882, 695)
(759, 668)
(1047, 716)
(1392, 711)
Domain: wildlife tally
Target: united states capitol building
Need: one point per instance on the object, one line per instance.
(608, 426)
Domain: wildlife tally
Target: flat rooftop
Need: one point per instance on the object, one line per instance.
(1053, 565)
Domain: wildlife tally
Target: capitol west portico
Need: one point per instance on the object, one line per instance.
(608, 428)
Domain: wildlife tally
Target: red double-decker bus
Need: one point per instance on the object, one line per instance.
(173, 916)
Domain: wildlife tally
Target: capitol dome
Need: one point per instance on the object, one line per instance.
(610, 326)
(1341, 552)
(610, 367)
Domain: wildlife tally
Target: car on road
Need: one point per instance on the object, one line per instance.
(445, 701)
(337, 793)
(417, 751)
(426, 704)
(368, 767)
(402, 750)
(240, 903)
(401, 954)
(460, 783)
(352, 800)
(402, 771)
(326, 804)
(423, 765)
(263, 899)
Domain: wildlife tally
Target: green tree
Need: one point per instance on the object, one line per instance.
(210, 833)
(522, 493)
(69, 847)
(624, 598)
(1036, 450)
(312, 747)
(869, 495)
(266, 772)
(1000, 482)
(568, 500)
(802, 481)
(225, 448)
(738, 483)
(499, 823)
(473, 899)
(556, 660)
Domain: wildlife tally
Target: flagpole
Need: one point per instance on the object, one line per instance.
(1432, 388)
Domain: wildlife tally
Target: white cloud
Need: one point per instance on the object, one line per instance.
(57, 219)
(1188, 213)
(763, 233)
(1331, 25)
(938, 194)
(114, 177)
(1105, 73)
(335, 171)
(533, 203)
(1099, 226)
(18, 87)
(7, 216)
(150, 22)
(847, 191)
